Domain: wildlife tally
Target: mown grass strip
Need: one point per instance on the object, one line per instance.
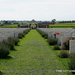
(33, 56)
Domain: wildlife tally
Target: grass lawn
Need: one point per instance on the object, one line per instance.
(33, 56)
(9, 26)
(63, 25)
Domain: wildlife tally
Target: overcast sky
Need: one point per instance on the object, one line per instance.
(37, 9)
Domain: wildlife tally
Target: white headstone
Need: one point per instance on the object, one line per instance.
(59, 39)
(49, 34)
(72, 46)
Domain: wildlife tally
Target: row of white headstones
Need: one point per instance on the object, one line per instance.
(65, 33)
(5, 33)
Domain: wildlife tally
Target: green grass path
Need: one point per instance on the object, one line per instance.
(33, 56)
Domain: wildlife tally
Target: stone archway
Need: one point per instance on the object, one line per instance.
(33, 24)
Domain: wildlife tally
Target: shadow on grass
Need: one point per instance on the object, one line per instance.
(1, 73)
(62, 57)
(17, 45)
(14, 50)
(8, 57)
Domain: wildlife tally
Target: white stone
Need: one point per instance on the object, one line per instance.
(59, 39)
(49, 34)
(72, 46)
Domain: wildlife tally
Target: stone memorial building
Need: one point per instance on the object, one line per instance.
(33, 24)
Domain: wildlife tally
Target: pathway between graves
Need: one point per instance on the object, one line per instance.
(33, 57)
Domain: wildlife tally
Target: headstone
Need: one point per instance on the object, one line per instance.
(73, 34)
(72, 46)
(49, 34)
(59, 39)
(16, 34)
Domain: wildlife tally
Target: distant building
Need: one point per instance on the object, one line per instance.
(46, 23)
(33, 24)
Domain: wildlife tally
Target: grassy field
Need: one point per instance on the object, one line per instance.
(33, 56)
(58, 25)
(9, 26)
(63, 25)
(23, 22)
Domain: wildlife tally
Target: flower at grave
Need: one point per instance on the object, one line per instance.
(67, 40)
(64, 49)
(58, 33)
(54, 34)
(66, 44)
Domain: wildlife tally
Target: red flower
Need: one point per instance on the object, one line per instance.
(58, 33)
(67, 40)
(64, 43)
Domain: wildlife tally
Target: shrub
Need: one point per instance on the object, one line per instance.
(56, 47)
(43, 34)
(1, 73)
(46, 37)
(26, 31)
(4, 51)
(21, 35)
(39, 31)
(71, 55)
(15, 40)
(71, 63)
(9, 43)
(52, 41)
(66, 45)
(64, 54)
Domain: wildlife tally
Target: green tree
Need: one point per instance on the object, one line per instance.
(53, 21)
(6, 22)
